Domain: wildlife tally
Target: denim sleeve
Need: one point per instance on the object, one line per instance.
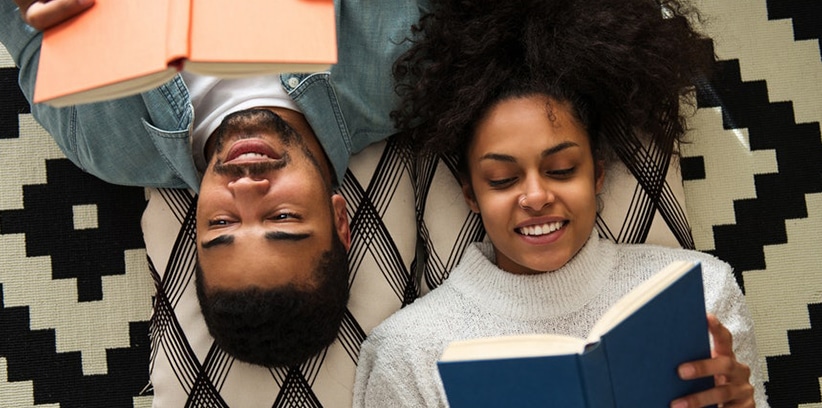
(110, 139)
(372, 35)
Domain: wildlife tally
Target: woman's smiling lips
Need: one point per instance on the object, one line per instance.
(250, 150)
(541, 231)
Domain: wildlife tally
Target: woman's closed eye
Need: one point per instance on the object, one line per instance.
(561, 173)
(501, 183)
(508, 181)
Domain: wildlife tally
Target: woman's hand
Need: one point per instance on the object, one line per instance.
(42, 14)
(732, 378)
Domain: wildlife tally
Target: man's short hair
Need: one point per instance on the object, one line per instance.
(282, 326)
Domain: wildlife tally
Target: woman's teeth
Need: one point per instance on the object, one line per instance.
(543, 229)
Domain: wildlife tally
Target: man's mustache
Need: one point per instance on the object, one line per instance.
(251, 169)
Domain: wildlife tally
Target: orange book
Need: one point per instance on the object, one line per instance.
(123, 47)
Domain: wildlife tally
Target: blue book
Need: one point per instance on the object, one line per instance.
(630, 358)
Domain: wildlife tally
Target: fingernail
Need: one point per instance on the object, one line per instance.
(686, 371)
(679, 404)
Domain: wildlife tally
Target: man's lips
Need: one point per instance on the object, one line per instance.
(250, 150)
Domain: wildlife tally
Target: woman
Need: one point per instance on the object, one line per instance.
(533, 98)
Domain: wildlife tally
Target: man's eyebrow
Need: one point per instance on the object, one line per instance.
(220, 240)
(272, 236)
(285, 236)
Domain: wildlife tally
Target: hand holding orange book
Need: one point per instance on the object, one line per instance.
(123, 47)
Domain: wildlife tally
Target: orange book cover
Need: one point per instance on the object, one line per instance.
(123, 47)
(300, 33)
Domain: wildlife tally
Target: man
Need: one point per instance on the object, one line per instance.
(271, 232)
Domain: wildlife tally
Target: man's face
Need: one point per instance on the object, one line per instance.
(265, 209)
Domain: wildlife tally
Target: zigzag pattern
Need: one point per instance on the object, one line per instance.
(440, 259)
(369, 234)
(648, 163)
(805, 359)
(780, 196)
(167, 336)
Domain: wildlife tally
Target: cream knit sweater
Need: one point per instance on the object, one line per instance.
(397, 362)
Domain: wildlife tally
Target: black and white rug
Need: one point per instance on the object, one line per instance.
(75, 293)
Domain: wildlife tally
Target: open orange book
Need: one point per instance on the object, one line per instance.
(123, 47)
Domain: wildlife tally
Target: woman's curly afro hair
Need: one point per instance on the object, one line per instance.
(625, 63)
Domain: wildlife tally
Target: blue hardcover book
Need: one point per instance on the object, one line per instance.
(630, 358)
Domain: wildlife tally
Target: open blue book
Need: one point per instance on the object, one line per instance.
(629, 359)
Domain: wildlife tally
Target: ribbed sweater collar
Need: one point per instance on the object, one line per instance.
(532, 297)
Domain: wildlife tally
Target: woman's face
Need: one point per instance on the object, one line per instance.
(534, 182)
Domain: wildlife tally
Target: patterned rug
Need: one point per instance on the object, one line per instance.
(76, 289)
(75, 292)
(754, 179)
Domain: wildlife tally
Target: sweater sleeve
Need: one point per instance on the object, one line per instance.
(724, 299)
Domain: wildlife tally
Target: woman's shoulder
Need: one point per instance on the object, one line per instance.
(660, 256)
(651, 258)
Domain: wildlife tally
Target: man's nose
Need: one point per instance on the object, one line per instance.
(249, 186)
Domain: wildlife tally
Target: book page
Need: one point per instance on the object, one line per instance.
(236, 38)
(638, 296)
(531, 345)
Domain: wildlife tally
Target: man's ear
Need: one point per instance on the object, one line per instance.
(599, 175)
(468, 195)
(341, 220)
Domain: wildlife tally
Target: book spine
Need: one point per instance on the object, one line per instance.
(596, 377)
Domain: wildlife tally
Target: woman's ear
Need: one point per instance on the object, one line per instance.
(599, 175)
(468, 195)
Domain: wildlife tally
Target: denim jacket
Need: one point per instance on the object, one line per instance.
(143, 140)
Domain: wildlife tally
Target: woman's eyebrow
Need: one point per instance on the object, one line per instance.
(558, 148)
(498, 157)
(547, 152)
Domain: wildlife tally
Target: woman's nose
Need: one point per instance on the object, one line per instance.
(535, 197)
